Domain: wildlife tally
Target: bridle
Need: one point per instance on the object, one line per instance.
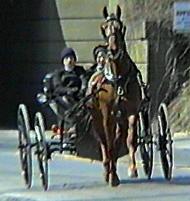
(114, 55)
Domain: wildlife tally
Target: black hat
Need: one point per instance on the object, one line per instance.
(68, 52)
(98, 49)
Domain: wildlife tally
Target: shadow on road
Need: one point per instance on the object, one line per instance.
(179, 180)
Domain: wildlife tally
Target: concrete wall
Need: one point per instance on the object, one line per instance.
(80, 21)
(137, 45)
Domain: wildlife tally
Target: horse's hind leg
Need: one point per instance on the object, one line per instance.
(132, 145)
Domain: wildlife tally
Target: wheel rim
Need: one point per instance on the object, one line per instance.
(147, 156)
(165, 142)
(24, 144)
(146, 146)
(41, 149)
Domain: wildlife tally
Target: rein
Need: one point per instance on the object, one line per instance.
(118, 81)
(78, 109)
(118, 56)
(79, 105)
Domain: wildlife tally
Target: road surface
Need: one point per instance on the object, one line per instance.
(74, 179)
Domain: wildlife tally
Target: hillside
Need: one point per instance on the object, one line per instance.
(179, 110)
(175, 70)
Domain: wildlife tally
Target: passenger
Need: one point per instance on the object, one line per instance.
(96, 69)
(99, 54)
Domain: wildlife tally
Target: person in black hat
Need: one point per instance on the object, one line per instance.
(65, 87)
(70, 79)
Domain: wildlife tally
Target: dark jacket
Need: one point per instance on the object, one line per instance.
(69, 83)
(66, 89)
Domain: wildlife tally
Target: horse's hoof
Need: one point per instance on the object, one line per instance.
(114, 180)
(106, 177)
(146, 168)
(132, 173)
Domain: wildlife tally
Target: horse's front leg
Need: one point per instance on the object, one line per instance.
(100, 136)
(106, 161)
(132, 145)
(110, 134)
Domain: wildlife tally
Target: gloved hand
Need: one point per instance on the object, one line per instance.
(71, 91)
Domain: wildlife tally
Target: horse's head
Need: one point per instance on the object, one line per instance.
(113, 30)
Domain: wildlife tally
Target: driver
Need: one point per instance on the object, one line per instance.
(65, 87)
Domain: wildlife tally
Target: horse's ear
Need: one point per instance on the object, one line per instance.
(105, 12)
(118, 12)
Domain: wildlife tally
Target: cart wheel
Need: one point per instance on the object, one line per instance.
(145, 142)
(41, 148)
(24, 144)
(165, 141)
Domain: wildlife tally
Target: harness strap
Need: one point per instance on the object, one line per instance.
(117, 56)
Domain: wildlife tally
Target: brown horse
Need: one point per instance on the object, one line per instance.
(115, 107)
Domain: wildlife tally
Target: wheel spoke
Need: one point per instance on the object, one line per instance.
(24, 144)
(41, 149)
(165, 142)
(145, 142)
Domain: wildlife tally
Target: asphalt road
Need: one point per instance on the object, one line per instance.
(73, 179)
